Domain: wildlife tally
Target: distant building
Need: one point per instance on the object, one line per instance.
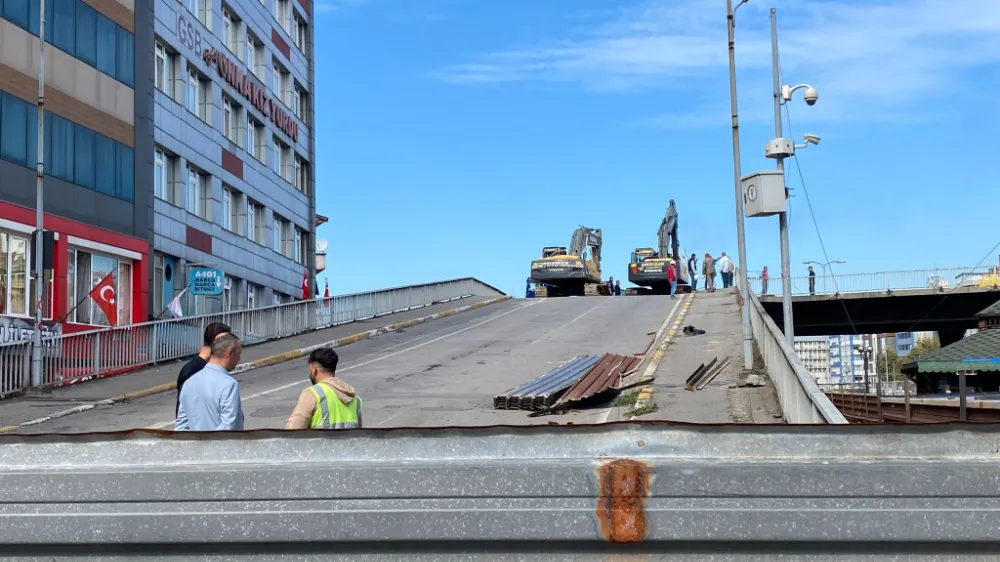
(846, 364)
(906, 340)
(814, 351)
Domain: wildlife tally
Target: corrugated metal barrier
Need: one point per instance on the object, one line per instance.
(658, 491)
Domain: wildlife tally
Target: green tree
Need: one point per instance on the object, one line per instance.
(923, 347)
(888, 360)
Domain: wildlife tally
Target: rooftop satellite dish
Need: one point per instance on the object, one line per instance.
(321, 246)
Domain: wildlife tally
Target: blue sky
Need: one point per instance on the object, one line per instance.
(457, 137)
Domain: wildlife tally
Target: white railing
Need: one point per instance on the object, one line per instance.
(801, 399)
(83, 355)
(941, 278)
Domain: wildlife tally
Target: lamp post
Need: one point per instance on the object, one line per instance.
(744, 286)
(780, 148)
(36, 352)
(826, 266)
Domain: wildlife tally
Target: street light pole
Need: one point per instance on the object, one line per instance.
(786, 268)
(36, 347)
(744, 286)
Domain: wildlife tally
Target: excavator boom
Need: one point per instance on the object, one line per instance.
(650, 271)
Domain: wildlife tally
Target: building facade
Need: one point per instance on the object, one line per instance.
(906, 340)
(233, 159)
(846, 363)
(814, 351)
(98, 146)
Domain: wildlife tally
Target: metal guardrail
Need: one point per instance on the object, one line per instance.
(107, 351)
(941, 278)
(507, 493)
(801, 399)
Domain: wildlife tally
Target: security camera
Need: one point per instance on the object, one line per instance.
(811, 95)
(809, 138)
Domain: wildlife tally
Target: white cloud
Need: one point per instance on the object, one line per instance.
(869, 58)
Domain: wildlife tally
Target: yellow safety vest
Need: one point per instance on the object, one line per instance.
(330, 412)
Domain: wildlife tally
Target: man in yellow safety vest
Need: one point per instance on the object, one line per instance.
(330, 403)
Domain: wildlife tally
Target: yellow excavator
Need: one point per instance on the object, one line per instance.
(577, 272)
(648, 267)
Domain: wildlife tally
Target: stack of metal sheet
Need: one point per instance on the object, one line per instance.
(543, 391)
(604, 378)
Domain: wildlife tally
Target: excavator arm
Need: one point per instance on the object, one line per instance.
(585, 238)
(669, 246)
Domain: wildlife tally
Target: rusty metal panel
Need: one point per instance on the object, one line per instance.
(642, 491)
(605, 375)
(543, 391)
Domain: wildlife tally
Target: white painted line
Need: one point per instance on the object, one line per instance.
(652, 364)
(381, 357)
(571, 322)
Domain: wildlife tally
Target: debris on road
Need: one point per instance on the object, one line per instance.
(543, 391)
(753, 379)
(690, 330)
(704, 374)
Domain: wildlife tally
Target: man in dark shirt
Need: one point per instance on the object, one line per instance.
(198, 362)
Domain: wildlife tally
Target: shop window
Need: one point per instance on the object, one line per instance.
(87, 269)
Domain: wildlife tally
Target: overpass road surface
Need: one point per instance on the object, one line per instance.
(440, 373)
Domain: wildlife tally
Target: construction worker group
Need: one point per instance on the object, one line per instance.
(208, 397)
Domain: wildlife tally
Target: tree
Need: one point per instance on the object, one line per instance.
(923, 347)
(888, 357)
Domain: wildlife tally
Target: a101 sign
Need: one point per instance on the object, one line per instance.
(205, 281)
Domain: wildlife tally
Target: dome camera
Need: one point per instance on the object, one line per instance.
(811, 96)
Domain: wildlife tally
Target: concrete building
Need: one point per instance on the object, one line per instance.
(232, 166)
(98, 145)
(814, 351)
(846, 364)
(906, 340)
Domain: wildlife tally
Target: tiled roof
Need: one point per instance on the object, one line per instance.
(992, 310)
(978, 352)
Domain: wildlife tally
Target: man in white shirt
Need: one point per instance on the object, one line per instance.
(210, 400)
(726, 268)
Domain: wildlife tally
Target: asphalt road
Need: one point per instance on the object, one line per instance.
(441, 373)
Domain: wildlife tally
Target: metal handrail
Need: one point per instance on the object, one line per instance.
(934, 278)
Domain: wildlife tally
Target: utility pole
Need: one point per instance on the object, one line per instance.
(37, 377)
(786, 269)
(744, 286)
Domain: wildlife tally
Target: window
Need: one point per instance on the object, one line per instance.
(198, 193)
(299, 32)
(296, 101)
(204, 13)
(86, 34)
(107, 48)
(198, 94)
(64, 25)
(227, 294)
(280, 83)
(227, 209)
(18, 13)
(18, 126)
(255, 138)
(164, 167)
(14, 277)
(165, 62)
(126, 57)
(255, 55)
(254, 293)
(85, 173)
(280, 234)
(230, 29)
(281, 12)
(255, 222)
(299, 253)
(301, 175)
(106, 166)
(230, 119)
(85, 271)
(276, 156)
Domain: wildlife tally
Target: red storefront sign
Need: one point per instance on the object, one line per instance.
(256, 94)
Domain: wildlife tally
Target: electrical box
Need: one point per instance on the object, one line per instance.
(779, 148)
(48, 249)
(763, 193)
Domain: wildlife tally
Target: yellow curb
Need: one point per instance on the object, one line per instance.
(145, 392)
(9, 428)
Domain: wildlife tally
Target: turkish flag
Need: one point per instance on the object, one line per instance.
(305, 285)
(104, 295)
(326, 291)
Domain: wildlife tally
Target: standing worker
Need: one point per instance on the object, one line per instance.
(726, 269)
(611, 286)
(693, 272)
(812, 280)
(672, 277)
(198, 362)
(708, 272)
(210, 400)
(763, 281)
(330, 403)
(618, 288)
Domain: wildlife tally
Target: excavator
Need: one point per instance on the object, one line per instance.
(577, 272)
(648, 267)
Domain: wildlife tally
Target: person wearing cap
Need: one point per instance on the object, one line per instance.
(330, 403)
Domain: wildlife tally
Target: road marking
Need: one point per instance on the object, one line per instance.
(657, 354)
(377, 359)
(570, 323)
